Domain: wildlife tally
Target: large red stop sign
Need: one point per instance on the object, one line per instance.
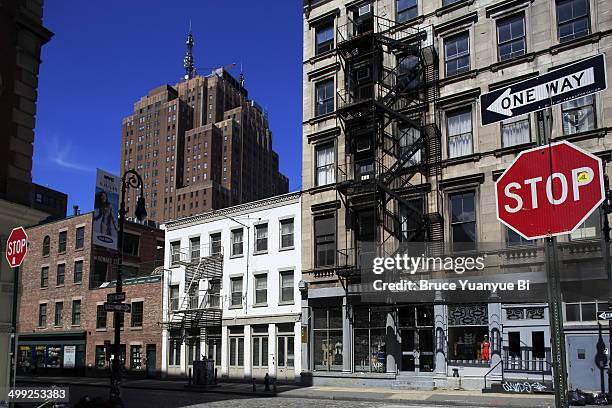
(16, 246)
(549, 190)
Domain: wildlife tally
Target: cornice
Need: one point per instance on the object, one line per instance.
(241, 208)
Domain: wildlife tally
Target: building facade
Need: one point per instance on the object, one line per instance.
(231, 291)
(63, 328)
(22, 36)
(394, 154)
(200, 145)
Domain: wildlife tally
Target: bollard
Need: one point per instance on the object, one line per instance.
(190, 376)
(267, 382)
(215, 375)
(254, 384)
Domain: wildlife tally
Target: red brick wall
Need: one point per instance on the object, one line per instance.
(32, 294)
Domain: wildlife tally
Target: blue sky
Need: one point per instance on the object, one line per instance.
(105, 55)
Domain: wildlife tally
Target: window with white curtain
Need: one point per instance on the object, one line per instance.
(459, 130)
(589, 229)
(325, 163)
(515, 131)
(578, 115)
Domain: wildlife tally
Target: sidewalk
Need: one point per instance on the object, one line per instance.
(446, 397)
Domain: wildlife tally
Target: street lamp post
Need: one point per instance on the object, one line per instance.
(130, 179)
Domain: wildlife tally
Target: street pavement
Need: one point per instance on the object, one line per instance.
(164, 393)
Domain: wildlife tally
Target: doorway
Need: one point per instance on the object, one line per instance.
(151, 363)
(416, 328)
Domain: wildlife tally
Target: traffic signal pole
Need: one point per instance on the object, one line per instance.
(553, 285)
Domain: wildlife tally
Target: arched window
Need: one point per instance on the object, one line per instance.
(46, 246)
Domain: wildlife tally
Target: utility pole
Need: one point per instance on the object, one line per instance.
(553, 285)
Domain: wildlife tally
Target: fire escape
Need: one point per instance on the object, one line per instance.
(388, 177)
(195, 311)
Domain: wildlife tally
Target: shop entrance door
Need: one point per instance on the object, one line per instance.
(416, 327)
(151, 352)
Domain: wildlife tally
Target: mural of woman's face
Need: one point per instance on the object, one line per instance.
(103, 198)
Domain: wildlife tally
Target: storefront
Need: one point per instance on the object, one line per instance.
(434, 342)
(61, 353)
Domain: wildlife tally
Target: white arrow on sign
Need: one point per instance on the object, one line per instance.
(605, 315)
(507, 101)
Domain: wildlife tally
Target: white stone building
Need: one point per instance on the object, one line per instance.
(243, 307)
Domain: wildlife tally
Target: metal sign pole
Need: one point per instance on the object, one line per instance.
(553, 286)
(14, 325)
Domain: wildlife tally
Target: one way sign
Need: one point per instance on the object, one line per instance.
(560, 85)
(605, 316)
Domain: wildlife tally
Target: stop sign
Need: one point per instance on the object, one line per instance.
(16, 246)
(549, 190)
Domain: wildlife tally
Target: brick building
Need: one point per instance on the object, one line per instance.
(22, 36)
(65, 280)
(200, 145)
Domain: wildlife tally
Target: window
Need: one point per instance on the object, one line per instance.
(449, 2)
(131, 243)
(459, 129)
(61, 246)
(174, 297)
(328, 339)
(136, 357)
(78, 271)
(42, 315)
(137, 313)
(236, 290)
(325, 241)
(261, 289)
(236, 351)
(457, 54)
(467, 328)
(261, 238)
(511, 37)
(513, 238)
(286, 286)
(100, 356)
(514, 344)
(285, 351)
(76, 312)
(325, 164)
(589, 229)
(174, 357)
(463, 221)
(214, 293)
(584, 311)
(59, 311)
(237, 237)
(260, 346)
(578, 115)
(46, 247)
(215, 243)
(515, 131)
(572, 19)
(79, 241)
(194, 248)
(324, 91)
(325, 38)
(61, 273)
(175, 252)
(406, 10)
(286, 232)
(44, 277)
(369, 339)
(100, 317)
(537, 344)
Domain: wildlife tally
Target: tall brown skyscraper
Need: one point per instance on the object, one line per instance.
(200, 145)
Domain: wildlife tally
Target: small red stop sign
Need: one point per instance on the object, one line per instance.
(16, 247)
(549, 190)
